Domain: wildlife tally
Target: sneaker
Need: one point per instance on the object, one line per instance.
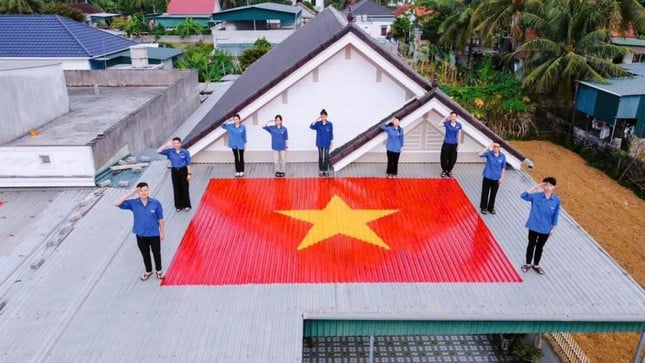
(277, 174)
(449, 175)
(242, 174)
(281, 175)
(178, 209)
(443, 174)
(492, 211)
(237, 174)
(321, 173)
(484, 211)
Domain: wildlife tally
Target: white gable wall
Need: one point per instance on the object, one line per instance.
(355, 91)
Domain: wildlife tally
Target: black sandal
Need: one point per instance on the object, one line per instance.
(538, 269)
(145, 276)
(525, 268)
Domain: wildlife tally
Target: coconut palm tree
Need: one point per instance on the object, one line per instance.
(572, 44)
(493, 17)
(20, 6)
(457, 31)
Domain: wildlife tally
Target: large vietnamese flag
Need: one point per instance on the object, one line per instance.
(263, 231)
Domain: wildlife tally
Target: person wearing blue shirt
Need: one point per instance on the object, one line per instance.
(236, 141)
(279, 144)
(450, 146)
(545, 210)
(324, 141)
(180, 172)
(149, 226)
(493, 175)
(393, 145)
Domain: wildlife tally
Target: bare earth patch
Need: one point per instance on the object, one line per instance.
(610, 213)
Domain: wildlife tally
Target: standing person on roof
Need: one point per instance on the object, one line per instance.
(493, 175)
(545, 210)
(451, 141)
(393, 145)
(180, 172)
(149, 226)
(324, 141)
(279, 144)
(236, 141)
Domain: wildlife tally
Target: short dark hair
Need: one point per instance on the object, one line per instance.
(549, 179)
(323, 112)
(237, 115)
(453, 113)
(278, 116)
(142, 184)
(176, 139)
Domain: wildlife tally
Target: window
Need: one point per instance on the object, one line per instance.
(44, 159)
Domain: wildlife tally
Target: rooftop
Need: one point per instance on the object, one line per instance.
(625, 86)
(86, 303)
(53, 36)
(192, 7)
(90, 115)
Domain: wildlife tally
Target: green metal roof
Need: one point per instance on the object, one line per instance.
(627, 86)
(320, 328)
(628, 42)
(264, 11)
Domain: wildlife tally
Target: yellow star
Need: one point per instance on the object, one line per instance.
(339, 218)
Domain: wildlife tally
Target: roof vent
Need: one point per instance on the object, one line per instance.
(350, 15)
(139, 56)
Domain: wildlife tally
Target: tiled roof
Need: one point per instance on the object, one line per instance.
(54, 36)
(192, 7)
(325, 29)
(368, 7)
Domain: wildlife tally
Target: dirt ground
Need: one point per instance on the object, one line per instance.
(610, 213)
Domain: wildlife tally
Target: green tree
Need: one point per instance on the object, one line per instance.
(63, 10)
(573, 44)
(211, 65)
(20, 6)
(189, 27)
(250, 55)
(107, 6)
(456, 31)
(401, 28)
(493, 17)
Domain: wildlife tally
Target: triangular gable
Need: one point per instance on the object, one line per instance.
(304, 48)
(409, 115)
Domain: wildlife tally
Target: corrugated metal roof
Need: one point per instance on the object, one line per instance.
(86, 303)
(281, 8)
(626, 86)
(55, 36)
(633, 42)
(368, 7)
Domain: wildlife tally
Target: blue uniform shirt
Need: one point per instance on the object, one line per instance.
(451, 132)
(146, 217)
(544, 212)
(279, 137)
(178, 159)
(236, 136)
(394, 138)
(324, 134)
(494, 165)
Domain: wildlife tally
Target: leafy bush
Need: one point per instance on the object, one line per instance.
(211, 65)
(250, 55)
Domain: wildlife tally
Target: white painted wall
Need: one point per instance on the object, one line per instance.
(68, 166)
(346, 87)
(373, 28)
(68, 63)
(231, 36)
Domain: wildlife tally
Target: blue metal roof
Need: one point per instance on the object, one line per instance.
(624, 86)
(54, 36)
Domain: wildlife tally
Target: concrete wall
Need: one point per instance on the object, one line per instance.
(46, 166)
(22, 87)
(151, 125)
(125, 77)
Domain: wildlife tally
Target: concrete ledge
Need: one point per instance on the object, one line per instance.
(125, 77)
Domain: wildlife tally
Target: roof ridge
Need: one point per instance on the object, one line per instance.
(342, 20)
(87, 51)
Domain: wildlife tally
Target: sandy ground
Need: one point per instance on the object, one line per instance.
(614, 217)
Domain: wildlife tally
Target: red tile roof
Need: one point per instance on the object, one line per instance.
(192, 7)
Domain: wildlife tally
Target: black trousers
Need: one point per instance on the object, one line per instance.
(448, 156)
(180, 187)
(238, 154)
(489, 192)
(323, 158)
(147, 244)
(536, 244)
(392, 162)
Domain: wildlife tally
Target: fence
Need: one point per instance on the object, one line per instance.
(566, 348)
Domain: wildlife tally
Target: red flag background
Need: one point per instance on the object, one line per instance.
(238, 235)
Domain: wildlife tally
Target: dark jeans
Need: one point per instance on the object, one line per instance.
(392, 162)
(489, 191)
(448, 156)
(323, 158)
(146, 244)
(180, 187)
(238, 154)
(536, 243)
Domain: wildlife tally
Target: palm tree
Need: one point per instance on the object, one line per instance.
(494, 17)
(20, 6)
(457, 29)
(573, 44)
(189, 27)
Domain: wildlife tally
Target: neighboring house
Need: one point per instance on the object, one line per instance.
(337, 66)
(307, 14)
(53, 38)
(614, 109)
(180, 10)
(637, 46)
(372, 18)
(238, 28)
(143, 56)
